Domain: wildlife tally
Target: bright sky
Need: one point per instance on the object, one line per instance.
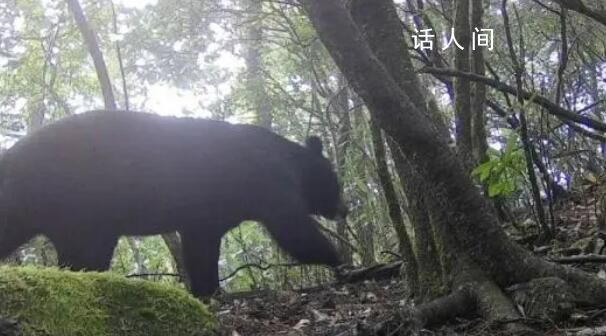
(167, 100)
(136, 3)
(163, 99)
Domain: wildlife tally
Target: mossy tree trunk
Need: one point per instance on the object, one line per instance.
(431, 272)
(461, 38)
(339, 104)
(478, 99)
(410, 267)
(426, 274)
(473, 242)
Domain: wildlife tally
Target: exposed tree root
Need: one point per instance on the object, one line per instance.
(599, 331)
(548, 298)
(457, 304)
(586, 288)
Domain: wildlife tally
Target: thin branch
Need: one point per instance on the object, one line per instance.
(579, 7)
(145, 275)
(534, 97)
(257, 266)
(119, 55)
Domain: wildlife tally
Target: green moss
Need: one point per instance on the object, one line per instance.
(49, 301)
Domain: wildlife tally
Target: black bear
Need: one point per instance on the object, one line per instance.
(87, 179)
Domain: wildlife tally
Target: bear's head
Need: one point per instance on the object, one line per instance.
(321, 185)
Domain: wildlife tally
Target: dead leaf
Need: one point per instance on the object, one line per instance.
(302, 324)
(319, 316)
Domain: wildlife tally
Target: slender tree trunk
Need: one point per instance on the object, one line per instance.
(478, 119)
(528, 148)
(431, 264)
(173, 242)
(138, 259)
(340, 107)
(90, 39)
(255, 79)
(395, 213)
(119, 55)
(463, 111)
(594, 91)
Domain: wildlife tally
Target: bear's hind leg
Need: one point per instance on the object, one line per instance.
(14, 231)
(201, 255)
(90, 253)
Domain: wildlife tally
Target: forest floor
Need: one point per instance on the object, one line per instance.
(357, 308)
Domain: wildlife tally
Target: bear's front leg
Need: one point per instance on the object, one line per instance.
(300, 236)
(201, 255)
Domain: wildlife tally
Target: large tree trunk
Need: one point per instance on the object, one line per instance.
(388, 43)
(467, 226)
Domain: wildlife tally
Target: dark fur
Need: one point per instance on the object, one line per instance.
(88, 179)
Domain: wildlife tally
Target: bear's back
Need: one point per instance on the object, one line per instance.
(98, 135)
(145, 159)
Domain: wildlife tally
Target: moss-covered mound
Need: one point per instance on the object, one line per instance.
(49, 301)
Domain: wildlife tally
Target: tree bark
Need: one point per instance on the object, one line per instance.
(255, 80)
(340, 106)
(173, 242)
(478, 98)
(140, 267)
(388, 43)
(467, 219)
(382, 29)
(393, 206)
(518, 65)
(462, 86)
(580, 7)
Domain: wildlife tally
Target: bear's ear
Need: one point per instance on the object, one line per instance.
(314, 144)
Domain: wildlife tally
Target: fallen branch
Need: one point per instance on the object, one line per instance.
(257, 266)
(580, 259)
(144, 275)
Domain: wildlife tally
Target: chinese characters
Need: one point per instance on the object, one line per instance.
(481, 38)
